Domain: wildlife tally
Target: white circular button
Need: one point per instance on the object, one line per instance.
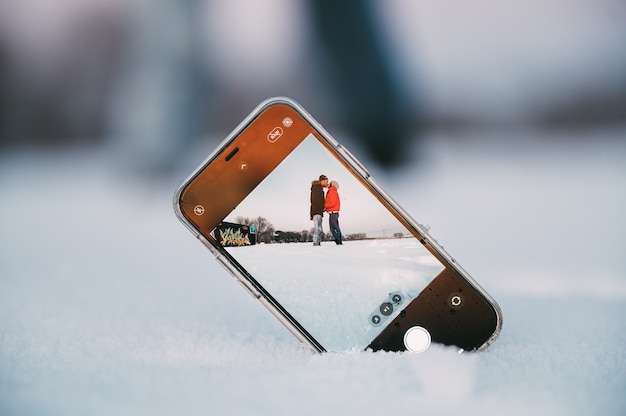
(417, 339)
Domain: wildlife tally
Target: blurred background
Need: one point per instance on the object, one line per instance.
(150, 77)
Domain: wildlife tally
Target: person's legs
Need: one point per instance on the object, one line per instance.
(333, 222)
(317, 229)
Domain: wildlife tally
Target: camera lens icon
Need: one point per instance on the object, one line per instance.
(287, 122)
(375, 319)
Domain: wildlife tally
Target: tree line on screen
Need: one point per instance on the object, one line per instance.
(266, 233)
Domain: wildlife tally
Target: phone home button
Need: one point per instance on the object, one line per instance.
(417, 339)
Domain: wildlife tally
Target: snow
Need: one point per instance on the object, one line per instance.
(108, 305)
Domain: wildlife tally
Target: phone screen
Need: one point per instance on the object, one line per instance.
(342, 294)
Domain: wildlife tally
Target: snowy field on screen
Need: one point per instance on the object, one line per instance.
(108, 305)
(332, 290)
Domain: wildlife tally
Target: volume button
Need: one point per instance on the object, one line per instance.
(232, 270)
(226, 265)
(249, 289)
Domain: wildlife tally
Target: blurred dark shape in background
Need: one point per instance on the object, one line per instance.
(372, 104)
(160, 101)
(149, 79)
(57, 70)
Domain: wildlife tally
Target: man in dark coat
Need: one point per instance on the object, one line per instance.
(317, 207)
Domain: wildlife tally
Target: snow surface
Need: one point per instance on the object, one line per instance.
(108, 305)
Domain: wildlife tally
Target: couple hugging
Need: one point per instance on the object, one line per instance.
(329, 203)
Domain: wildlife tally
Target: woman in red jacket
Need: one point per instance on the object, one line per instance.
(332, 205)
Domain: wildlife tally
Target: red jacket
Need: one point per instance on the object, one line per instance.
(332, 200)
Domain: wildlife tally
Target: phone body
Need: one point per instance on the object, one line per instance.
(389, 286)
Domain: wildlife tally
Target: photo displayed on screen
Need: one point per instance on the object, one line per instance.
(342, 294)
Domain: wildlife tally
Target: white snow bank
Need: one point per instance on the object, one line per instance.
(109, 306)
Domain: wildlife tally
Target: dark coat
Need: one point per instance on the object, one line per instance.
(317, 198)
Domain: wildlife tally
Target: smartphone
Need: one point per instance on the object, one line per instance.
(384, 284)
